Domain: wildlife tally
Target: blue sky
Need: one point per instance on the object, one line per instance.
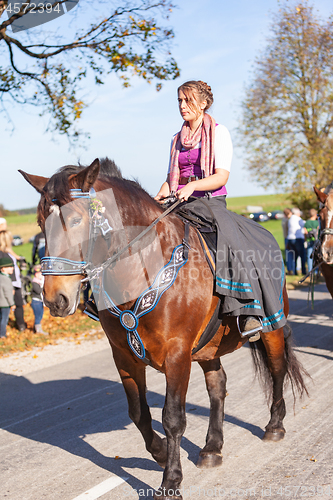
(216, 41)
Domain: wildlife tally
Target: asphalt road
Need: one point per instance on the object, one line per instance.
(65, 433)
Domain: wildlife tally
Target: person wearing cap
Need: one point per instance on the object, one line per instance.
(6, 292)
(37, 299)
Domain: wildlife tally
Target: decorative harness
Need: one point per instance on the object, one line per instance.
(148, 300)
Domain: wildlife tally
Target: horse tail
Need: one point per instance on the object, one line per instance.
(295, 372)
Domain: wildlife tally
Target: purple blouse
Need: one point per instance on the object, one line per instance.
(189, 165)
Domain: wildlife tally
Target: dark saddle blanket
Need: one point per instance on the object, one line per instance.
(249, 269)
(207, 233)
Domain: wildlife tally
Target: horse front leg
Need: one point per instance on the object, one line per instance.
(133, 377)
(177, 372)
(275, 348)
(216, 380)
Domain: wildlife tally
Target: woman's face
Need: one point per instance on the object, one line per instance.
(190, 110)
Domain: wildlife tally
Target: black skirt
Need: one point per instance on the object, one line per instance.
(249, 264)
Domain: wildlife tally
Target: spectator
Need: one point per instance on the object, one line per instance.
(5, 251)
(288, 253)
(38, 249)
(295, 239)
(312, 227)
(37, 299)
(6, 292)
(3, 224)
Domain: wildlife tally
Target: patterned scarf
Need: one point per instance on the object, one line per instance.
(205, 134)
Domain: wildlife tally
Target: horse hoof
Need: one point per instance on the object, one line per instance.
(209, 461)
(275, 436)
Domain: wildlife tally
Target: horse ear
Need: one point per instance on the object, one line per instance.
(86, 178)
(37, 181)
(320, 195)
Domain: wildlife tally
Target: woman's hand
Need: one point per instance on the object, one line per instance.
(210, 183)
(184, 193)
(164, 192)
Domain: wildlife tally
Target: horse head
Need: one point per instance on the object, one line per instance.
(326, 223)
(74, 211)
(65, 222)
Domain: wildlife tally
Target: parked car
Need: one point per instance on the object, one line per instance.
(17, 241)
(259, 216)
(276, 215)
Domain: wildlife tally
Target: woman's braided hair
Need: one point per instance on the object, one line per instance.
(202, 89)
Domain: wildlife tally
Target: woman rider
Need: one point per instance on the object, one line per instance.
(249, 266)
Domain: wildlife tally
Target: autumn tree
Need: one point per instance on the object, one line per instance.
(287, 112)
(47, 70)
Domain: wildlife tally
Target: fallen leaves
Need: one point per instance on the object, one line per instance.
(73, 328)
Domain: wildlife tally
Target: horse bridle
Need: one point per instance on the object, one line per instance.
(325, 231)
(317, 250)
(97, 224)
(52, 265)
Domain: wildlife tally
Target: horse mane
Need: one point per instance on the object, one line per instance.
(57, 187)
(109, 169)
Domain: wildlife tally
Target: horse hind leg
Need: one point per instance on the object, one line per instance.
(270, 363)
(210, 455)
(278, 359)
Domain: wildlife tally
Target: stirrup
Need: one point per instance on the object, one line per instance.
(252, 335)
(91, 310)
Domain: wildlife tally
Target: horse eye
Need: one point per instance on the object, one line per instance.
(75, 222)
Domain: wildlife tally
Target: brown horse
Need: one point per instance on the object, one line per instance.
(169, 331)
(326, 235)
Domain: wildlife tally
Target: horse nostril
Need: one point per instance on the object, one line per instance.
(327, 254)
(62, 301)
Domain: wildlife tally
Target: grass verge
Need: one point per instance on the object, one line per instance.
(268, 202)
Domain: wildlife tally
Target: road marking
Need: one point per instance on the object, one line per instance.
(101, 488)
